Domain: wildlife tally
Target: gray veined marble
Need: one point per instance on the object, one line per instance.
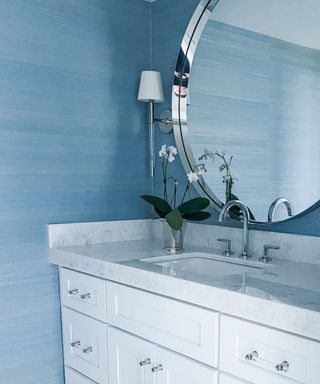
(284, 295)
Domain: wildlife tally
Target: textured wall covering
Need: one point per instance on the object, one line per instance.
(72, 148)
(170, 19)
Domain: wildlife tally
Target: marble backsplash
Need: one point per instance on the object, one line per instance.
(63, 235)
(292, 247)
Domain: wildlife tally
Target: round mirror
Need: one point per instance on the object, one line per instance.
(246, 104)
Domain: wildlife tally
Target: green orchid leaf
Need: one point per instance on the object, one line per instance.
(160, 204)
(159, 213)
(197, 216)
(233, 197)
(174, 219)
(194, 205)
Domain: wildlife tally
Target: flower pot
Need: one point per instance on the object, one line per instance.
(173, 240)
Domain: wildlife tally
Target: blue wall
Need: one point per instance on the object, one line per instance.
(169, 23)
(72, 145)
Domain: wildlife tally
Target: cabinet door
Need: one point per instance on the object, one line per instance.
(171, 368)
(130, 358)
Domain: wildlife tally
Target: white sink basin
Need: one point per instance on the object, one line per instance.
(204, 264)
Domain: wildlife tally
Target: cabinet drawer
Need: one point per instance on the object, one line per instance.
(259, 354)
(85, 345)
(225, 379)
(181, 327)
(74, 377)
(84, 293)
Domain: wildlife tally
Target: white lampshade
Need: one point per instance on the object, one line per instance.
(150, 87)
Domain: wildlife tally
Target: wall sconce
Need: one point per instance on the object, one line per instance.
(151, 91)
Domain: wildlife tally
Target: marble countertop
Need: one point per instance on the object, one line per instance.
(285, 295)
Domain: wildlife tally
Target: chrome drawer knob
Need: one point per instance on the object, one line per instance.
(85, 296)
(75, 343)
(145, 362)
(252, 356)
(157, 368)
(73, 291)
(283, 367)
(87, 350)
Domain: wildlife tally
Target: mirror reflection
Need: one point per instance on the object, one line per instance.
(254, 95)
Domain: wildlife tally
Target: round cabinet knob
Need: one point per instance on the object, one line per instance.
(157, 368)
(252, 356)
(145, 362)
(283, 367)
(85, 296)
(87, 350)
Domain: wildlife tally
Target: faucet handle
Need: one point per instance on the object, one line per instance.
(266, 258)
(227, 251)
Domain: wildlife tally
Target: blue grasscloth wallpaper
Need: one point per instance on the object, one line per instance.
(72, 148)
(73, 144)
(169, 21)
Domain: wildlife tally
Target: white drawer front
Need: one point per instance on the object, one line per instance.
(259, 354)
(181, 327)
(84, 293)
(73, 377)
(85, 345)
(225, 379)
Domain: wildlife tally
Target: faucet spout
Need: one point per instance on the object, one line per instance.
(276, 203)
(245, 213)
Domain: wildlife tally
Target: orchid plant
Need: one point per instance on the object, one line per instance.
(228, 177)
(168, 207)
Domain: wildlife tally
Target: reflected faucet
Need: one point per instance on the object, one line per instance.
(245, 213)
(276, 203)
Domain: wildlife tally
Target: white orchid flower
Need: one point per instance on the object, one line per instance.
(168, 152)
(172, 149)
(192, 177)
(171, 152)
(163, 151)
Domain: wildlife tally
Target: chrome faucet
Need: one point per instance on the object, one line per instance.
(245, 213)
(276, 203)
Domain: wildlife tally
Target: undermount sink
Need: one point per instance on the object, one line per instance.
(204, 264)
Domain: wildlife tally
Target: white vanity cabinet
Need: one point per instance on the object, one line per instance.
(136, 361)
(116, 334)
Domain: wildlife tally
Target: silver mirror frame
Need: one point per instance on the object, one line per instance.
(180, 95)
(179, 104)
